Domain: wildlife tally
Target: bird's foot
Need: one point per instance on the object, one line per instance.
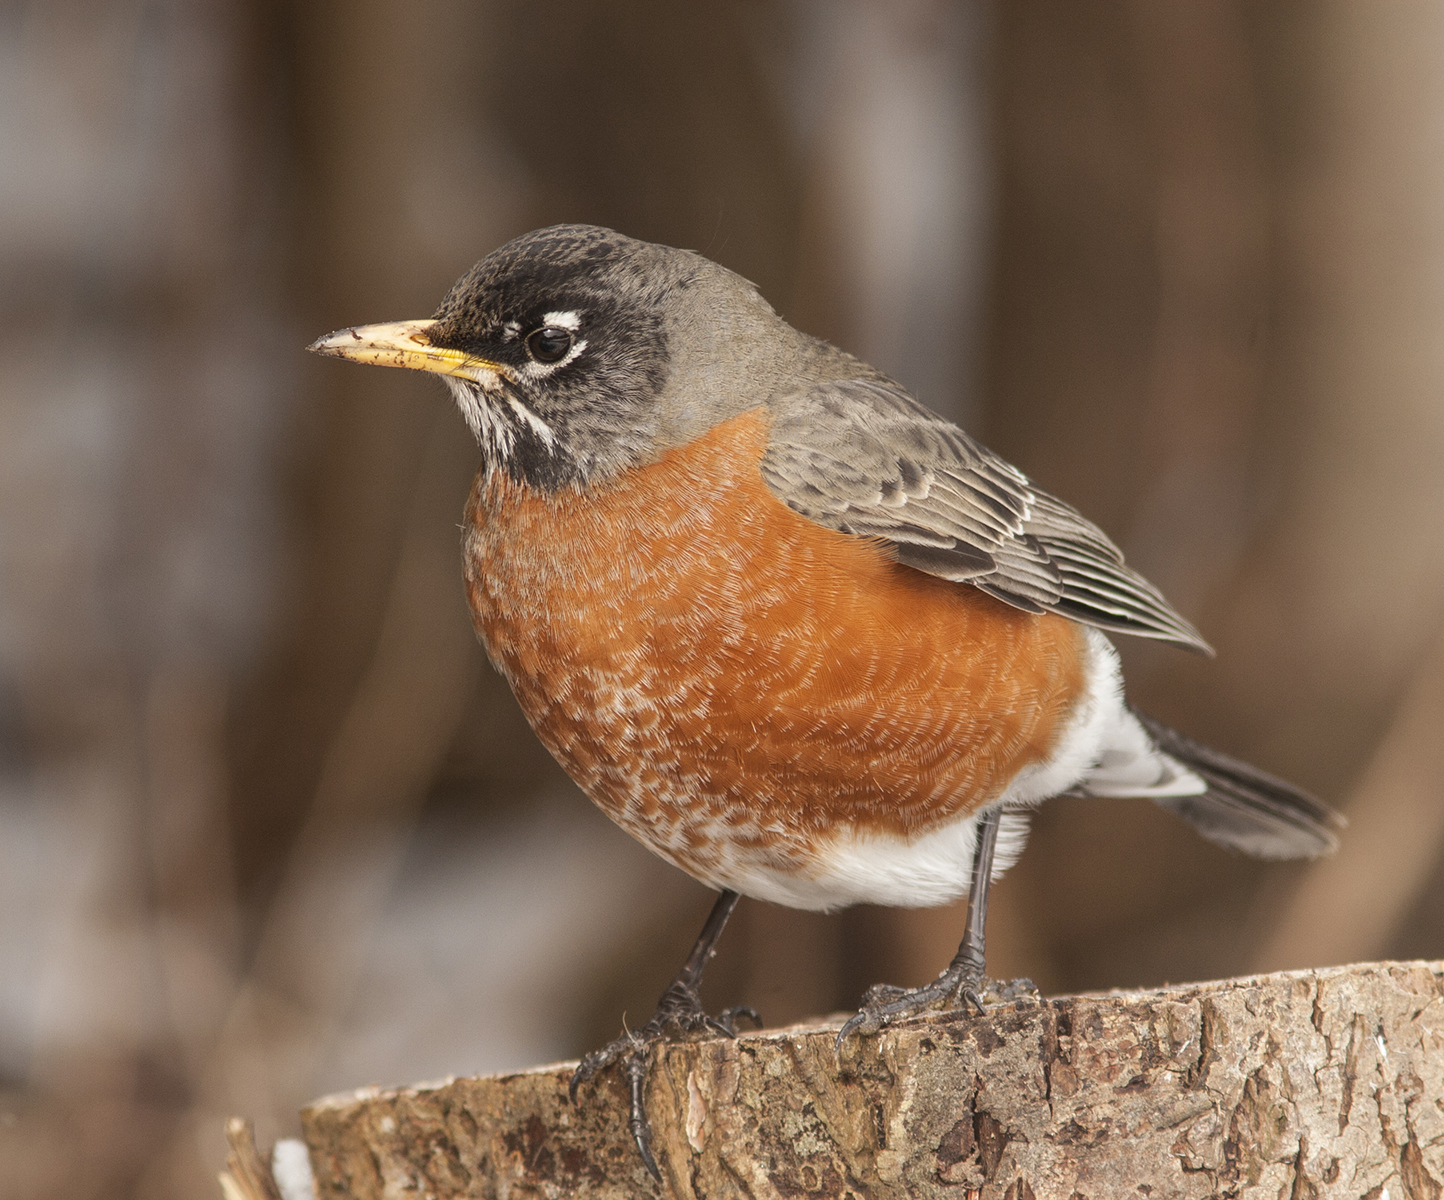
(679, 1017)
(883, 1003)
(956, 988)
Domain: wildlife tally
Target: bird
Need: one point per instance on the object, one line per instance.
(798, 634)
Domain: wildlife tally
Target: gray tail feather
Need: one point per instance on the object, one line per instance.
(1244, 808)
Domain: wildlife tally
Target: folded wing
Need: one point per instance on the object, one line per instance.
(863, 457)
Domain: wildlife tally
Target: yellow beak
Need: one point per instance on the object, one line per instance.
(404, 344)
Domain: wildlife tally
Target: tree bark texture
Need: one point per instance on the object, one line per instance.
(1306, 1084)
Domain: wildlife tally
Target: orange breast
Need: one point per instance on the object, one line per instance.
(723, 676)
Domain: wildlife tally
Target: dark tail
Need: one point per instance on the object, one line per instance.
(1244, 808)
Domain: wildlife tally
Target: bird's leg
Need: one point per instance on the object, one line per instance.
(679, 1014)
(960, 984)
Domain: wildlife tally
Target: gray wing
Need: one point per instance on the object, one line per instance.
(863, 457)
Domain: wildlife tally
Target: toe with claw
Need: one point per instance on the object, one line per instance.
(963, 985)
(679, 1016)
(883, 1003)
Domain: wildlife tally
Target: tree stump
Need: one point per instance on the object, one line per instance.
(1303, 1084)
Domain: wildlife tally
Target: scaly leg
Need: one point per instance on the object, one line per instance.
(959, 985)
(679, 1014)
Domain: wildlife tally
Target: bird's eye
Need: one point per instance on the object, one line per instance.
(548, 344)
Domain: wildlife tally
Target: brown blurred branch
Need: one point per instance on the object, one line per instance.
(1283, 1084)
(374, 778)
(1350, 905)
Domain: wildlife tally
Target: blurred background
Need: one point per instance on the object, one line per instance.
(270, 826)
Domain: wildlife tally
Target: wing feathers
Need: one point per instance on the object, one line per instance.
(863, 457)
(962, 564)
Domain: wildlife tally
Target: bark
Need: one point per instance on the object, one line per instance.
(247, 1175)
(1306, 1084)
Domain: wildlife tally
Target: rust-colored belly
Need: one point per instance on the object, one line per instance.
(727, 679)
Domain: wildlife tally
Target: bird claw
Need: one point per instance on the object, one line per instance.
(679, 1016)
(954, 989)
(725, 1022)
(884, 1003)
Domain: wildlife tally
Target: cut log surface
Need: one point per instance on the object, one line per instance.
(1300, 1085)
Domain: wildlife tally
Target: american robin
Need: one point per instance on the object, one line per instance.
(799, 635)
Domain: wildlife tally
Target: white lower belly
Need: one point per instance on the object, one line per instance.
(933, 868)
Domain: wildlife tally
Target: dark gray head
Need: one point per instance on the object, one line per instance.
(574, 352)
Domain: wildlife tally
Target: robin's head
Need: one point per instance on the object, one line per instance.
(574, 352)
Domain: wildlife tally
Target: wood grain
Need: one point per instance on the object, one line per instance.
(1304, 1084)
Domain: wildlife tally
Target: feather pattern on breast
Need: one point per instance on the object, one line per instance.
(738, 686)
